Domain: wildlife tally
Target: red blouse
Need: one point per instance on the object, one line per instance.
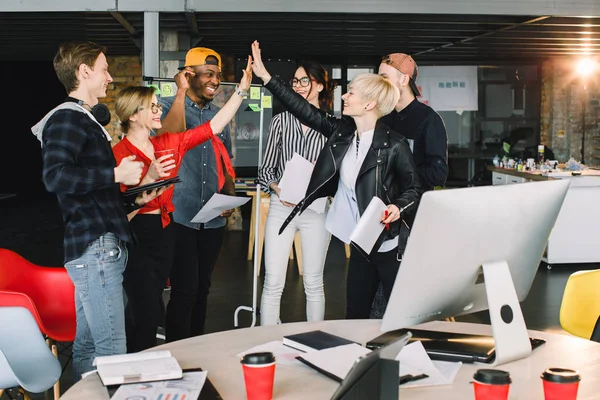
(180, 142)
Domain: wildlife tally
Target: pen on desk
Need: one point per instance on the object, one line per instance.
(411, 378)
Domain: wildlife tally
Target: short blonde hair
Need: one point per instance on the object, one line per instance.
(377, 89)
(130, 100)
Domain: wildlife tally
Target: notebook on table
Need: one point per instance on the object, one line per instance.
(446, 346)
(314, 340)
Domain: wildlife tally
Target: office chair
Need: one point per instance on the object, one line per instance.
(580, 307)
(47, 292)
(25, 359)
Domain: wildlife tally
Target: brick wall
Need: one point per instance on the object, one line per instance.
(563, 96)
(125, 71)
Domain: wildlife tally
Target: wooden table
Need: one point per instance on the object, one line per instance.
(216, 353)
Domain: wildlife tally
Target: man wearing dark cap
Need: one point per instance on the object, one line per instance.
(422, 126)
(417, 121)
(197, 245)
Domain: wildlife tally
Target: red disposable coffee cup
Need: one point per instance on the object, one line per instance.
(491, 384)
(259, 374)
(176, 157)
(560, 383)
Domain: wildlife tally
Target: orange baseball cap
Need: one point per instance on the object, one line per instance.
(405, 64)
(202, 56)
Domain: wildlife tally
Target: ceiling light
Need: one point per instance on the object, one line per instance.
(586, 66)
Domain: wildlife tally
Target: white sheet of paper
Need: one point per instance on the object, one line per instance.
(216, 205)
(284, 355)
(338, 222)
(414, 360)
(294, 183)
(337, 360)
(189, 387)
(295, 179)
(369, 226)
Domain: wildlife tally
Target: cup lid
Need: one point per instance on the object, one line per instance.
(560, 375)
(492, 377)
(258, 358)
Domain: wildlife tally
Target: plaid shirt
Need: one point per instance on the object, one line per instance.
(79, 167)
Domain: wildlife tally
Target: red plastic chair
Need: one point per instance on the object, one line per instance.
(47, 292)
(49, 289)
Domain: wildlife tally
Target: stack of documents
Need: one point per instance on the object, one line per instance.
(137, 367)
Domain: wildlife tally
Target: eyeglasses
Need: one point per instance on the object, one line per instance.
(304, 82)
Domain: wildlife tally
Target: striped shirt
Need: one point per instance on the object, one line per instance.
(285, 139)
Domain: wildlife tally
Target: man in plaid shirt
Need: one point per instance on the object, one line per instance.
(79, 166)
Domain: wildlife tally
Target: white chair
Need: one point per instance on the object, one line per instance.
(25, 358)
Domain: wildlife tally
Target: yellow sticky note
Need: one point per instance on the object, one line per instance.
(254, 93)
(166, 89)
(267, 102)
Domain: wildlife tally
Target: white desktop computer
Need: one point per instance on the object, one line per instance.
(474, 249)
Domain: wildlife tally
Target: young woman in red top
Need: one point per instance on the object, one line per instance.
(150, 260)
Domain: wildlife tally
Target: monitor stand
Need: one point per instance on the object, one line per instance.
(508, 326)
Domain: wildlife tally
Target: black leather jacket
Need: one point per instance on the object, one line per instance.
(387, 172)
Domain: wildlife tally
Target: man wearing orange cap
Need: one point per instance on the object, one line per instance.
(203, 173)
(417, 121)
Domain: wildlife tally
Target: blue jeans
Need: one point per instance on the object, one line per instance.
(98, 278)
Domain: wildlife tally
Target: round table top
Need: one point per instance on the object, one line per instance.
(216, 353)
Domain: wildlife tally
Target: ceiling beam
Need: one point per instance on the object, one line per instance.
(124, 23)
(530, 21)
(192, 23)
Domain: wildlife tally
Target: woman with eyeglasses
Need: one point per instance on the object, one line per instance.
(286, 137)
(150, 261)
(362, 159)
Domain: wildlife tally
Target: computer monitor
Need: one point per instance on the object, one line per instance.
(464, 248)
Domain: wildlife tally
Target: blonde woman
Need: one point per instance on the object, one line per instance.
(362, 158)
(151, 259)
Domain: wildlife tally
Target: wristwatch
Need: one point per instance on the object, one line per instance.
(240, 92)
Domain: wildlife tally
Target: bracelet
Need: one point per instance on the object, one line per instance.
(240, 92)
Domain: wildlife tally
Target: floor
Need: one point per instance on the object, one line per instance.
(32, 226)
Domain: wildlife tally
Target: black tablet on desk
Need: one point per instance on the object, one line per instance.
(447, 346)
(134, 191)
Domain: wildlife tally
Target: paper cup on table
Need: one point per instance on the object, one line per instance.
(560, 384)
(259, 375)
(491, 384)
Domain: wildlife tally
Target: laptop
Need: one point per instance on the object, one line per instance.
(448, 346)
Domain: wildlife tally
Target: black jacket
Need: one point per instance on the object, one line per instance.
(388, 171)
(420, 123)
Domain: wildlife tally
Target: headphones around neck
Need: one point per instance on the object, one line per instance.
(100, 111)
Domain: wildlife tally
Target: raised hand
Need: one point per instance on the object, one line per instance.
(246, 76)
(258, 67)
(182, 78)
(161, 166)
